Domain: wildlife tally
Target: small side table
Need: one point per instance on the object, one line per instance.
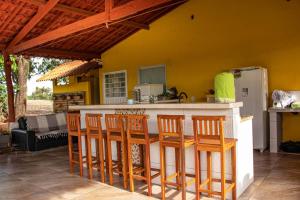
(276, 126)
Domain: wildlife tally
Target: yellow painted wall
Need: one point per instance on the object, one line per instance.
(223, 35)
(74, 86)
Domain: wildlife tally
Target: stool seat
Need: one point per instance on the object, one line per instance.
(94, 134)
(175, 141)
(140, 139)
(82, 132)
(215, 144)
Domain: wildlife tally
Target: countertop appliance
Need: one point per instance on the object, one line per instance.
(251, 87)
(144, 92)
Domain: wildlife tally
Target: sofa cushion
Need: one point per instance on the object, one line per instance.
(61, 120)
(52, 122)
(38, 124)
(46, 123)
(52, 134)
(22, 123)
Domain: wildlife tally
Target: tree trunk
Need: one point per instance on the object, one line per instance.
(21, 97)
(10, 89)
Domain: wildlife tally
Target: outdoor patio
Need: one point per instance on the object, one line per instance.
(45, 175)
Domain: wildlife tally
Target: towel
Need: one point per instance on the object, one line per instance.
(296, 105)
(224, 88)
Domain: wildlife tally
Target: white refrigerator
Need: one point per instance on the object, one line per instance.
(251, 87)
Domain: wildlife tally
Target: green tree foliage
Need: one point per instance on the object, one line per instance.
(41, 93)
(37, 66)
(43, 65)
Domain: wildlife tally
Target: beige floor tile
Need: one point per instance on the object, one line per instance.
(45, 175)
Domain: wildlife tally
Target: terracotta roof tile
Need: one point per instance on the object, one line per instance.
(70, 69)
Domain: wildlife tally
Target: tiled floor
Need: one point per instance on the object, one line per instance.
(45, 176)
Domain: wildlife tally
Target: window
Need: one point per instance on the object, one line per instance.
(153, 74)
(63, 81)
(115, 87)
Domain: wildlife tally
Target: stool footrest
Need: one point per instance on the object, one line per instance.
(231, 186)
(219, 180)
(204, 183)
(138, 177)
(189, 182)
(155, 175)
(172, 176)
(209, 192)
(171, 183)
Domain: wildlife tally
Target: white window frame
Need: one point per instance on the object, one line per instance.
(115, 100)
(153, 66)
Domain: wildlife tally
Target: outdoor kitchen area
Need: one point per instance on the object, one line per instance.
(149, 99)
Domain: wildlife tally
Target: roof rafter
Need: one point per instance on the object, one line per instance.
(117, 13)
(86, 13)
(65, 53)
(42, 12)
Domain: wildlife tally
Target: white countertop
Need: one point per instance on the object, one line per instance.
(284, 110)
(161, 106)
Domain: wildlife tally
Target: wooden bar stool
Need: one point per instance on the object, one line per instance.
(209, 137)
(74, 130)
(94, 131)
(137, 133)
(115, 132)
(171, 135)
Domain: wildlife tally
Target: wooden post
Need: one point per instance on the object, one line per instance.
(10, 89)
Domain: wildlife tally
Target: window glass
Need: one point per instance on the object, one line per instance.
(153, 75)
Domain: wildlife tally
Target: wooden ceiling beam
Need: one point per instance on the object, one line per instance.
(85, 13)
(2, 46)
(65, 53)
(62, 7)
(117, 13)
(41, 13)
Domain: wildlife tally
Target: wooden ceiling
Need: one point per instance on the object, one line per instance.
(74, 29)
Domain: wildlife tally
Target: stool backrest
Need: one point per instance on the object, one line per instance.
(137, 125)
(208, 127)
(73, 122)
(114, 123)
(170, 126)
(93, 123)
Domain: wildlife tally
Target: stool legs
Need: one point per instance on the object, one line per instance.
(80, 156)
(130, 164)
(209, 175)
(101, 159)
(106, 156)
(109, 158)
(119, 157)
(70, 146)
(177, 163)
(163, 170)
(124, 164)
(233, 166)
(183, 178)
(148, 169)
(197, 173)
(89, 157)
(223, 197)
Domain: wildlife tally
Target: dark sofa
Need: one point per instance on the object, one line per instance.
(40, 132)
